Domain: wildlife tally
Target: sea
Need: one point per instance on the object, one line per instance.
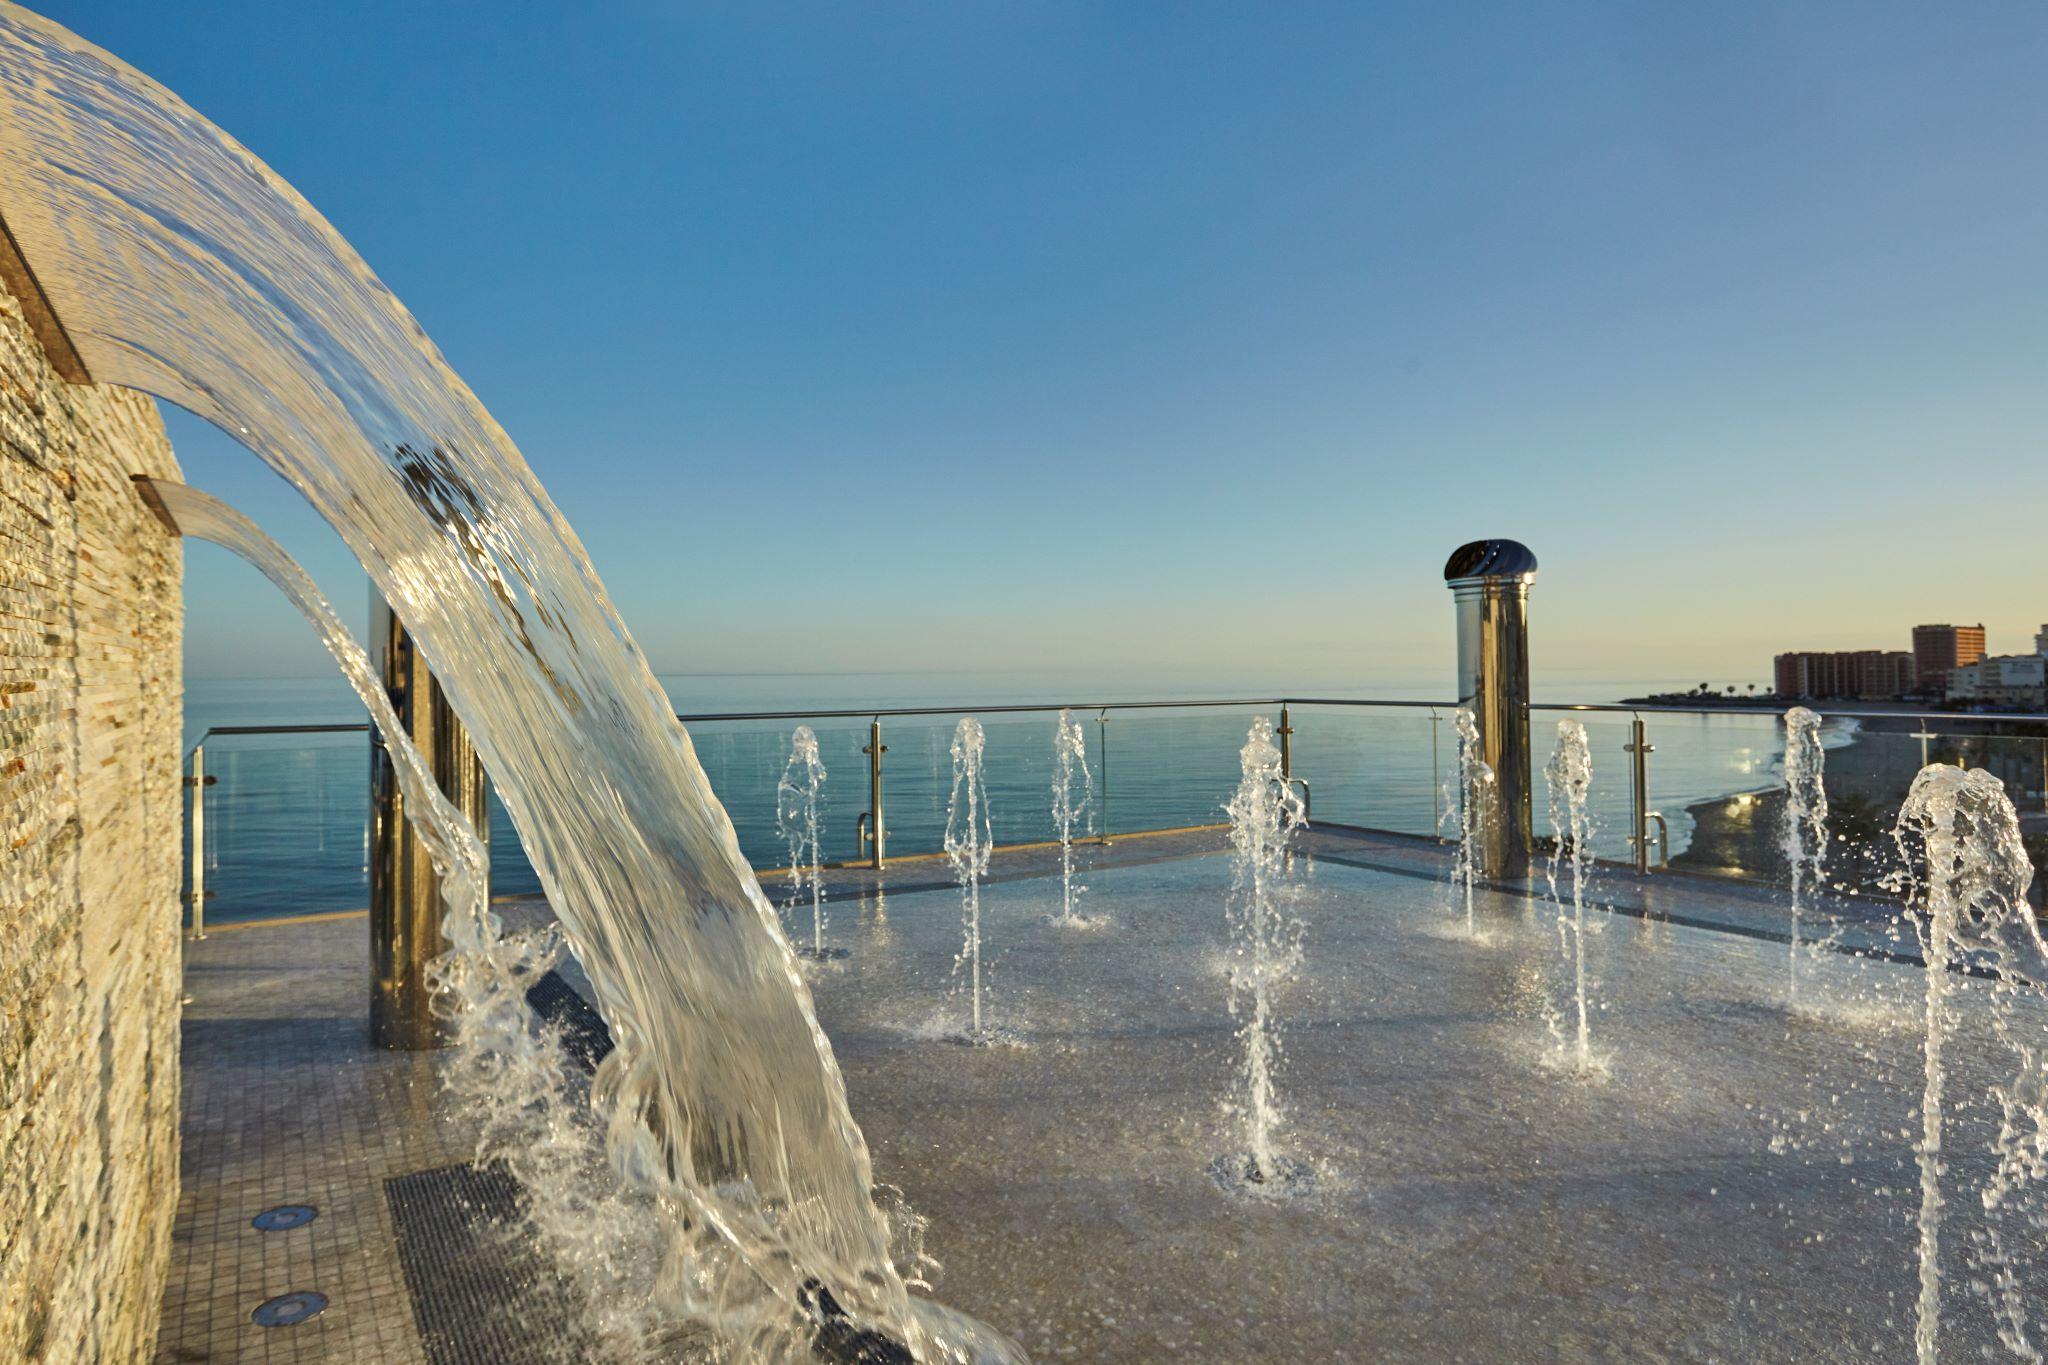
(287, 817)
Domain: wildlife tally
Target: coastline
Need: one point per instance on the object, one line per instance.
(1867, 779)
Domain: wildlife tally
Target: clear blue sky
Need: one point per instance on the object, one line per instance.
(1183, 334)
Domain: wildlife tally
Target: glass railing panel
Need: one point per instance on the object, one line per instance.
(1019, 771)
(1381, 768)
(288, 814)
(1172, 768)
(917, 782)
(287, 821)
(2018, 757)
(1719, 780)
(745, 760)
(1610, 803)
(285, 825)
(1870, 774)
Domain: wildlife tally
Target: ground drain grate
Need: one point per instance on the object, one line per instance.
(480, 1293)
(584, 1035)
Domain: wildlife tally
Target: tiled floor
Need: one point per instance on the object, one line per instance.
(286, 1102)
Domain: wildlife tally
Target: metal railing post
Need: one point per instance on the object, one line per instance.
(872, 833)
(1102, 762)
(1639, 749)
(1287, 777)
(1436, 781)
(198, 781)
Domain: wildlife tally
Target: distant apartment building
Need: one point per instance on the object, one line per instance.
(2019, 680)
(1861, 674)
(2041, 640)
(1940, 650)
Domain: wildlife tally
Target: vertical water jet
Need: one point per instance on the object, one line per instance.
(1569, 775)
(1264, 811)
(1070, 767)
(1476, 810)
(969, 839)
(1960, 827)
(1804, 833)
(796, 820)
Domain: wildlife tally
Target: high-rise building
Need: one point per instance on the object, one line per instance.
(2041, 640)
(1940, 650)
(1863, 674)
(2002, 680)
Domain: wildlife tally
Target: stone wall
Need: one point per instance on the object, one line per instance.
(91, 693)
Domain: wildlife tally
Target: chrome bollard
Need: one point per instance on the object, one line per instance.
(1489, 581)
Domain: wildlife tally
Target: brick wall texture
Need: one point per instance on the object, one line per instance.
(91, 695)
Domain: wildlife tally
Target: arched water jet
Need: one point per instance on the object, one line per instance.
(180, 265)
(511, 1079)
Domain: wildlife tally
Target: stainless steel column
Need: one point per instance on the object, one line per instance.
(405, 893)
(1489, 580)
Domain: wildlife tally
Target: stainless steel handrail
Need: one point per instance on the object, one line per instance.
(1018, 708)
(858, 712)
(1769, 713)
